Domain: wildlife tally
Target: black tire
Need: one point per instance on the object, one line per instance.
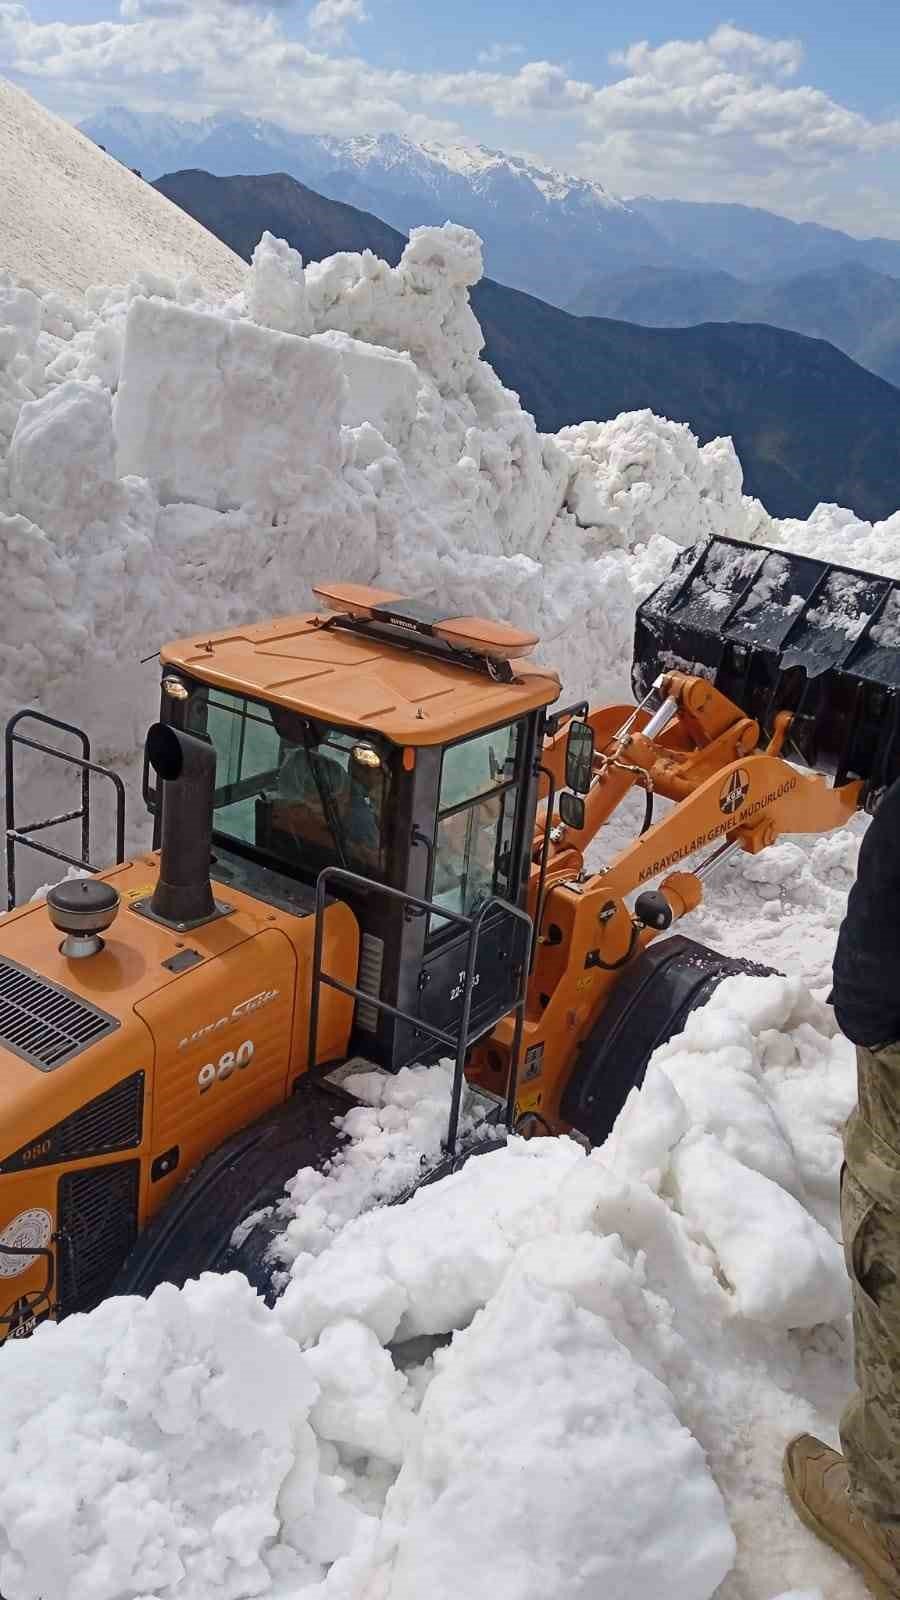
(650, 1004)
(193, 1231)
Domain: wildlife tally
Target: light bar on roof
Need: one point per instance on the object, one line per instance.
(479, 635)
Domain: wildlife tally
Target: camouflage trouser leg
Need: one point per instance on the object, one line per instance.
(870, 1215)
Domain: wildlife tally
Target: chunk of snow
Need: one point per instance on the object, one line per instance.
(781, 1265)
(225, 414)
(382, 386)
(276, 289)
(577, 1481)
(62, 459)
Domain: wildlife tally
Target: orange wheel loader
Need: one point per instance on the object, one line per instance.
(369, 836)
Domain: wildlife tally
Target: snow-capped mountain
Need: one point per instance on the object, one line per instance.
(543, 230)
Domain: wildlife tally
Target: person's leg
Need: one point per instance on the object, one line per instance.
(853, 1501)
(870, 1219)
(870, 1426)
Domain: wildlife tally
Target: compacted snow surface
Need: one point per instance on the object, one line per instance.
(552, 1374)
(71, 214)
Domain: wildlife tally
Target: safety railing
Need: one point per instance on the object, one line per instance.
(458, 1041)
(21, 834)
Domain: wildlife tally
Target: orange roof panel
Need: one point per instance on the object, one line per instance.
(334, 675)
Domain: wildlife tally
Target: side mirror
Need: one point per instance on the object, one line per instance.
(571, 809)
(579, 757)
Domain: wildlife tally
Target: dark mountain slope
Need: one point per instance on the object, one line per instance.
(232, 208)
(757, 244)
(854, 308)
(808, 423)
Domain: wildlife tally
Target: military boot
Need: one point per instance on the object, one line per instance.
(817, 1483)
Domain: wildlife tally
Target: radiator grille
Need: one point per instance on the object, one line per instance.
(112, 1121)
(44, 1024)
(97, 1226)
(371, 964)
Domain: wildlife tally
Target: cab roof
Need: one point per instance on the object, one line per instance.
(382, 663)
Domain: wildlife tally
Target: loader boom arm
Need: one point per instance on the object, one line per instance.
(701, 752)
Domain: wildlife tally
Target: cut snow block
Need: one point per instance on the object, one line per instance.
(224, 413)
(784, 1269)
(61, 459)
(383, 385)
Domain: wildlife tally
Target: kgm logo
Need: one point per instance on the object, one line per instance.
(734, 792)
(243, 1009)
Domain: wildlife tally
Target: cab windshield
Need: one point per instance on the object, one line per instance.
(302, 793)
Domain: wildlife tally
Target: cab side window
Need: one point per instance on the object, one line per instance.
(476, 822)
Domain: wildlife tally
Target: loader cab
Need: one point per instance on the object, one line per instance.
(433, 793)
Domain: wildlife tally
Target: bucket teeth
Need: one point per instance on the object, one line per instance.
(781, 632)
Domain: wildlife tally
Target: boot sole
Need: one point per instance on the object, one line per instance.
(874, 1584)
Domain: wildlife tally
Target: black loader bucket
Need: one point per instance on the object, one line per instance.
(781, 632)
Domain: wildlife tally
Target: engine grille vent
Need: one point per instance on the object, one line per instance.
(113, 1121)
(371, 964)
(97, 1211)
(44, 1024)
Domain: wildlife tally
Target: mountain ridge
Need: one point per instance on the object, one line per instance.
(545, 232)
(853, 307)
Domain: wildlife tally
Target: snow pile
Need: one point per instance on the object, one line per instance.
(72, 216)
(530, 1380)
(611, 1313)
(640, 476)
(784, 905)
(180, 1422)
(833, 533)
(395, 1133)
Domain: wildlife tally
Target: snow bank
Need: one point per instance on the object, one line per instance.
(180, 1422)
(639, 476)
(833, 533)
(536, 1378)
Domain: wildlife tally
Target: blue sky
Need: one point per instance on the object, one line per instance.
(796, 110)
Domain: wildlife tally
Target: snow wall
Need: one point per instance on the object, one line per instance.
(634, 1333)
(170, 463)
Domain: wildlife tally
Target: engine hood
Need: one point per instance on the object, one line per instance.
(61, 1019)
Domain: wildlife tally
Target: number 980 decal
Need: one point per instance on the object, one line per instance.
(232, 1061)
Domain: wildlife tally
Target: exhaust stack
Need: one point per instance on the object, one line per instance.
(186, 767)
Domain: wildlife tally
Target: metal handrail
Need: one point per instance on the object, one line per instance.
(16, 835)
(540, 900)
(460, 1041)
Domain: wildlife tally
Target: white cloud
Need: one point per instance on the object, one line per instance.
(691, 60)
(727, 117)
(330, 20)
(536, 86)
(723, 118)
(133, 10)
(496, 53)
(139, 10)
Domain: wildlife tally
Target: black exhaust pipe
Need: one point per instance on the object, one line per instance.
(186, 767)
